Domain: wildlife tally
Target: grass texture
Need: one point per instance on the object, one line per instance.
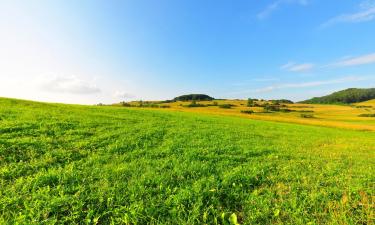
(69, 164)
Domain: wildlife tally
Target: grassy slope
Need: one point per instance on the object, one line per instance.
(77, 164)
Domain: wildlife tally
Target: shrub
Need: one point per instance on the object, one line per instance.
(250, 102)
(125, 104)
(363, 106)
(306, 111)
(272, 108)
(307, 115)
(225, 106)
(213, 104)
(247, 111)
(195, 104)
(286, 110)
(367, 115)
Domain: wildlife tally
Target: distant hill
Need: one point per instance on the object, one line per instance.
(351, 95)
(197, 97)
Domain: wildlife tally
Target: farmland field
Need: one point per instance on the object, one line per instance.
(64, 164)
(339, 116)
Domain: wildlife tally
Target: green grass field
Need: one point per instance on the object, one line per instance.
(66, 164)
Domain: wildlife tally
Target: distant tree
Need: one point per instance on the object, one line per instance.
(282, 101)
(247, 111)
(197, 97)
(225, 106)
(250, 102)
(125, 104)
(271, 108)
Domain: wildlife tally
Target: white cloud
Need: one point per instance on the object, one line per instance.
(294, 67)
(366, 13)
(354, 61)
(69, 84)
(276, 5)
(123, 95)
(311, 84)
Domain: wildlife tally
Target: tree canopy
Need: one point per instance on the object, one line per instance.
(196, 97)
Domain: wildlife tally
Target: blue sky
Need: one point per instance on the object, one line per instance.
(107, 51)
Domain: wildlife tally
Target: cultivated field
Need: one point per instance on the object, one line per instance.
(69, 164)
(340, 116)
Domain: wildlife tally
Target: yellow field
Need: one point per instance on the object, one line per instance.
(340, 116)
(368, 103)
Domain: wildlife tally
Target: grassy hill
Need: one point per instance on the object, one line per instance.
(351, 95)
(69, 164)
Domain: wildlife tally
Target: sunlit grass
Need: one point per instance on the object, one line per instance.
(70, 164)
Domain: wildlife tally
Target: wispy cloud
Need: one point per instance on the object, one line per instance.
(354, 61)
(69, 84)
(123, 95)
(276, 5)
(294, 67)
(311, 84)
(365, 13)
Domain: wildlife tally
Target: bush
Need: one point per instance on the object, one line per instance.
(306, 111)
(273, 108)
(247, 111)
(363, 106)
(286, 110)
(250, 102)
(213, 104)
(307, 116)
(367, 115)
(195, 104)
(125, 104)
(225, 106)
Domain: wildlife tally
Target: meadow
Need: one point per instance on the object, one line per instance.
(71, 164)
